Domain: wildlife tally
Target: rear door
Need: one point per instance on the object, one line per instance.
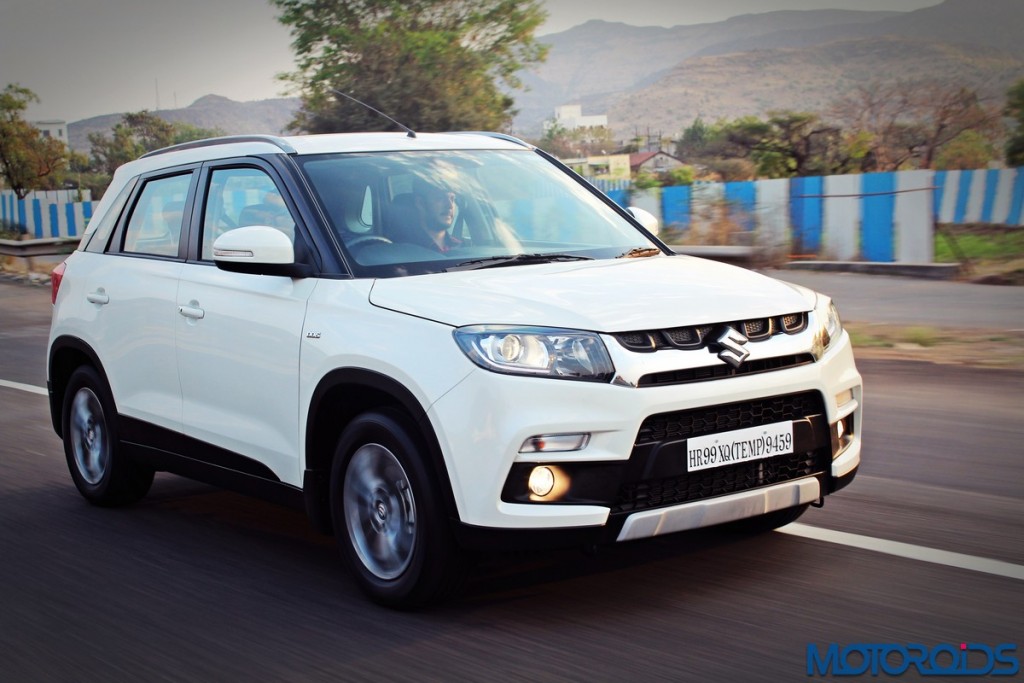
(130, 294)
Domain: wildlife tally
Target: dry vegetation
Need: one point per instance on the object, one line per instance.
(981, 348)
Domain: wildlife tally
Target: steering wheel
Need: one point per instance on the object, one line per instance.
(367, 239)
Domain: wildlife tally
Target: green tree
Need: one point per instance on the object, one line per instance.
(556, 141)
(138, 133)
(787, 144)
(28, 160)
(682, 175)
(430, 64)
(108, 153)
(578, 142)
(186, 132)
(646, 181)
(696, 140)
(1015, 110)
(970, 149)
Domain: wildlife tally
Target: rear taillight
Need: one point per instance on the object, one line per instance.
(55, 277)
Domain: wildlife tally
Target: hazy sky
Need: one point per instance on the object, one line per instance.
(90, 57)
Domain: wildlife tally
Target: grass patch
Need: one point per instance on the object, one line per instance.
(888, 336)
(864, 338)
(978, 243)
(991, 254)
(922, 336)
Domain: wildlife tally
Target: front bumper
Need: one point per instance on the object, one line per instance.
(632, 488)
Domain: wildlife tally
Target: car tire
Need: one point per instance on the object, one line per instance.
(101, 470)
(387, 514)
(768, 521)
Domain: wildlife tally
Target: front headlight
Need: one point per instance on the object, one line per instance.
(539, 351)
(826, 317)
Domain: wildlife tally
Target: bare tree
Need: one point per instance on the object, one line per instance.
(908, 122)
(948, 112)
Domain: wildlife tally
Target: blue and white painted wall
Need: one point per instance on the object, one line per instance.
(986, 196)
(872, 217)
(47, 214)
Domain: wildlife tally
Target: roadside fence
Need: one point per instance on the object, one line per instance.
(42, 215)
(880, 217)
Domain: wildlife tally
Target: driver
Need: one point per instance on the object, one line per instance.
(435, 211)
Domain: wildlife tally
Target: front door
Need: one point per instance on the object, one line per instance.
(239, 335)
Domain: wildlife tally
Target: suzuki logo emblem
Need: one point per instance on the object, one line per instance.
(732, 351)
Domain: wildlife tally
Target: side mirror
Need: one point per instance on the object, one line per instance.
(259, 250)
(645, 218)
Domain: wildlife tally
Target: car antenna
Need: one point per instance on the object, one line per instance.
(404, 127)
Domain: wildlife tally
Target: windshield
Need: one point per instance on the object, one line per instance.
(404, 213)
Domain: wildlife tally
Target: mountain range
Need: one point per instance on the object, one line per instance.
(660, 79)
(211, 111)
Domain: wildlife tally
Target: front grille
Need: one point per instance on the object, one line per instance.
(687, 488)
(660, 450)
(728, 416)
(751, 367)
(700, 336)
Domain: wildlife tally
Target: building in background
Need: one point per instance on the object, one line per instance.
(653, 162)
(602, 167)
(53, 129)
(570, 117)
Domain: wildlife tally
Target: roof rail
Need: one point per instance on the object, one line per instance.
(492, 134)
(278, 142)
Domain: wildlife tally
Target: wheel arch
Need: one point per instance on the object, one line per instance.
(342, 395)
(67, 353)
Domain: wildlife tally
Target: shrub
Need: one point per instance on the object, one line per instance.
(10, 230)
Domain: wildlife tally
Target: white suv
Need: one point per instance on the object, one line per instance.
(434, 344)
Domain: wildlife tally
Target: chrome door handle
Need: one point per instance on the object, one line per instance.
(98, 297)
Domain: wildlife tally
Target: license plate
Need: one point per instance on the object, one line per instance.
(740, 445)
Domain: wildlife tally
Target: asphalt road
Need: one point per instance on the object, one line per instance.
(195, 584)
(909, 301)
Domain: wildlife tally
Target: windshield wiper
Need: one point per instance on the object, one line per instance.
(640, 252)
(515, 260)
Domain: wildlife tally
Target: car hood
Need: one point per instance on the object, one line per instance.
(603, 296)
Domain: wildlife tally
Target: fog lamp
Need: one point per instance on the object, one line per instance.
(542, 481)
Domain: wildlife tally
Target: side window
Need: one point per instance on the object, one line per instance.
(155, 224)
(101, 235)
(238, 197)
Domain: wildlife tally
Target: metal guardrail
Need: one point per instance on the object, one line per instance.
(50, 246)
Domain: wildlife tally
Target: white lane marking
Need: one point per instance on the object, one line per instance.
(23, 387)
(908, 550)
